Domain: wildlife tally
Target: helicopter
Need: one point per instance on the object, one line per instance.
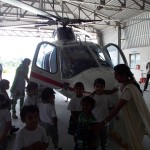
(62, 63)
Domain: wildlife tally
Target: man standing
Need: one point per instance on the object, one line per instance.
(148, 75)
(1, 70)
(18, 87)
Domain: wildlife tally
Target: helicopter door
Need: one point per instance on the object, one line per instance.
(45, 66)
(115, 53)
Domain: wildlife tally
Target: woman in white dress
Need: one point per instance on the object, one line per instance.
(134, 120)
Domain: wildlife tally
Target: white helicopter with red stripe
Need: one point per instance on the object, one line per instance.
(62, 63)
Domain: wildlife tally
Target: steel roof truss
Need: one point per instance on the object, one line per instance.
(142, 6)
(123, 4)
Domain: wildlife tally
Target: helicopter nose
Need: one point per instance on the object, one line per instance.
(88, 77)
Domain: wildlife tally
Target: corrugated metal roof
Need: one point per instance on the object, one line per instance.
(111, 11)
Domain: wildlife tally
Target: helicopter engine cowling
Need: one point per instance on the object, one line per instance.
(65, 33)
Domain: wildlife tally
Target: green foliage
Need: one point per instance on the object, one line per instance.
(11, 65)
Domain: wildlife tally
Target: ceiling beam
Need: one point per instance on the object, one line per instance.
(123, 4)
(106, 6)
(142, 6)
(29, 8)
(84, 8)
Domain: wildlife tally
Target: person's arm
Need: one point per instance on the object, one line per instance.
(37, 146)
(74, 115)
(55, 121)
(147, 65)
(24, 75)
(109, 92)
(113, 113)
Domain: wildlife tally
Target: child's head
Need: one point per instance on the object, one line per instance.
(32, 88)
(30, 116)
(3, 101)
(48, 95)
(99, 85)
(88, 103)
(79, 89)
(4, 84)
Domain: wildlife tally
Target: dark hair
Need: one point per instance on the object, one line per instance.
(3, 82)
(88, 99)
(31, 85)
(46, 93)
(26, 60)
(28, 109)
(99, 81)
(79, 84)
(123, 69)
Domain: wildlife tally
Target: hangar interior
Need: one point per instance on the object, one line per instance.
(123, 22)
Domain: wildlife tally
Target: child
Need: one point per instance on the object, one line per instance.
(32, 136)
(85, 137)
(5, 123)
(4, 86)
(31, 97)
(48, 115)
(100, 110)
(75, 107)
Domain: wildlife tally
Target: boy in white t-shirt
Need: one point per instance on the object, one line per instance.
(48, 116)
(5, 123)
(31, 97)
(32, 136)
(75, 107)
(101, 110)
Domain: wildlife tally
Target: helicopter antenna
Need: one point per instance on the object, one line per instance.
(77, 36)
(86, 36)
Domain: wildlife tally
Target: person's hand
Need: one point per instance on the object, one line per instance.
(97, 127)
(36, 146)
(2, 139)
(92, 93)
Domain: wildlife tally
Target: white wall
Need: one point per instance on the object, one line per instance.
(144, 58)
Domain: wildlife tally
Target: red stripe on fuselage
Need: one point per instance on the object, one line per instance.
(50, 81)
(45, 79)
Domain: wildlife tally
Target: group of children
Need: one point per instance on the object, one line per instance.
(86, 112)
(41, 120)
(39, 117)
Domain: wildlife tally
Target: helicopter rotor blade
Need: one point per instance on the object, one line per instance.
(53, 20)
(22, 26)
(83, 20)
(30, 8)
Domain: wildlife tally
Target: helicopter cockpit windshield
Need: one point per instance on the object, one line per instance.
(47, 59)
(75, 59)
(102, 56)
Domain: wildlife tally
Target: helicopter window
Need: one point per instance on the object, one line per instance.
(115, 56)
(47, 58)
(76, 59)
(103, 58)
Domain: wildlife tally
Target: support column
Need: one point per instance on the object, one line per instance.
(119, 40)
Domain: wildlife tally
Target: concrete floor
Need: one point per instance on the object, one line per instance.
(66, 141)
